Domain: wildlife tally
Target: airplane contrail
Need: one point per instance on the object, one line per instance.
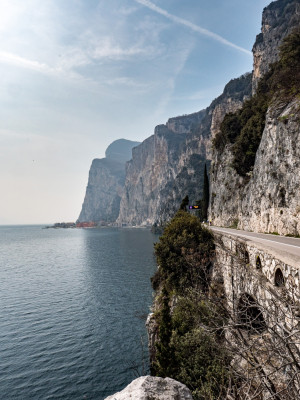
(190, 25)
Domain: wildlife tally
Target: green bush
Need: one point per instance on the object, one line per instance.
(188, 353)
(164, 365)
(185, 350)
(201, 364)
(183, 253)
(194, 310)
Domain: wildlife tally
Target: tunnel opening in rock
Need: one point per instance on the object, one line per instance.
(279, 279)
(246, 257)
(258, 263)
(250, 316)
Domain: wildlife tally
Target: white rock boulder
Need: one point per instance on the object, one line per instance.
(153, 388)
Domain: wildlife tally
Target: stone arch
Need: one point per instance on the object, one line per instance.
(250, 316)
(246, 257)
(258, 263)
(279, 278)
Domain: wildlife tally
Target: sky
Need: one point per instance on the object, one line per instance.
(76, 75)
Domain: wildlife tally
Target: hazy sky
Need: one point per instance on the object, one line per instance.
(78, 74)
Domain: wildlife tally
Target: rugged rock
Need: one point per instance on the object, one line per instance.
(153, 388)
(152, 330)
(105, 184)
(278, 20)
(267, 201)
(169, 164)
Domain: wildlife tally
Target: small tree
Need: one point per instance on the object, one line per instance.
(184, 203)
(204, 202)
(205, 196)
(164, 352)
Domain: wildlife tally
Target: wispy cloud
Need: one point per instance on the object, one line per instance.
(63, 70)
(126, 81)
(171, 83)
(191, 26)
(106, 49)
(16, 60)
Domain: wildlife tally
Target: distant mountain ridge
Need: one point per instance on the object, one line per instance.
(120, 150)
(105, 185)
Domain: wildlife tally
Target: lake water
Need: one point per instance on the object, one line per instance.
(71, 311)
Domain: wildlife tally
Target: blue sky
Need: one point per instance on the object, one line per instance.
(76, 75)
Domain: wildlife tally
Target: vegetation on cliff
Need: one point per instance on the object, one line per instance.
(221, 347)
(204, 202)
(183, 253)
(244, 128)
(189, 324)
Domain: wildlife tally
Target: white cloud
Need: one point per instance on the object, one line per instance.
(129, 82)
(63, 71)
(191, 26)
(14, 59)
(105, 48)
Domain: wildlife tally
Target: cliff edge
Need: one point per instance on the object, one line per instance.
(105, 185)
(255, 173)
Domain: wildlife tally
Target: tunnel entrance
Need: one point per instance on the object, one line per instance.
(279, 279)
(250, 316)
(246, 257)
(258, 263)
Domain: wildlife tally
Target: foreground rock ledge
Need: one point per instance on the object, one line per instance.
(153, 388)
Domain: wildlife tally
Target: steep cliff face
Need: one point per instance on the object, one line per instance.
(105, 184)
(266, 198)
(278, 20)
(169, 165)
(269, 201)
(153, 164)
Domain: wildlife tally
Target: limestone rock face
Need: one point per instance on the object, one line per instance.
(169, 164)
(269, 200)
(185, 123)
(153, 388)
(278, 20)
(152, 330)
(105, 184)
(103, 192)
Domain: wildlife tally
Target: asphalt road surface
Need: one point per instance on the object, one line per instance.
(280, 244)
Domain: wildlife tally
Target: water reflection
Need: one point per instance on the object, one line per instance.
(119, 264)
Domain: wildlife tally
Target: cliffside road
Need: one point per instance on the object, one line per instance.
(285, 248)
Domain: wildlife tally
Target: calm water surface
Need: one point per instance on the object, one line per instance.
(70, 307)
